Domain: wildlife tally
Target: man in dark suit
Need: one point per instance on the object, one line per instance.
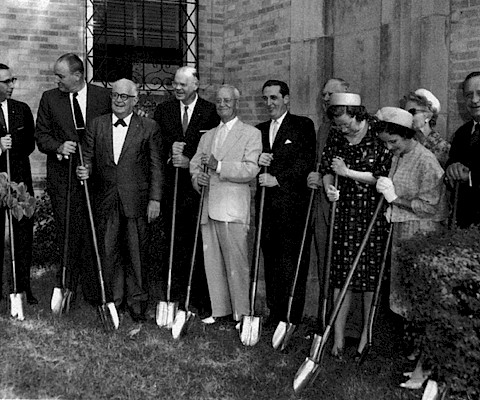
(17, 136)
(463, 166)
(182, 122)
(288, 154)
(58, 130)
(122, 152)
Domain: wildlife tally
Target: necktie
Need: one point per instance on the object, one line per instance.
(220, 138)
(78, 117)
(185, 120)
(3, 124)
(120, 122)
(273, 131)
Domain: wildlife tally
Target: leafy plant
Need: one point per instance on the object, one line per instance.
(442, 276)
(16, 197)
(45, 243)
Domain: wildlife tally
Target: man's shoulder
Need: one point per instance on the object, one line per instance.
(463, 130)
(244, 126)
(202, 103)
(18, 104)
(54, 93)
(97, 89)
(298, 119)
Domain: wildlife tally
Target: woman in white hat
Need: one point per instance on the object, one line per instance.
(415, 192)
(354, 153)
(425, 107)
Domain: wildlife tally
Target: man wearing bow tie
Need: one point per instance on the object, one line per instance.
(122, 153)
(288, 155)
(62, 114)
(17, 136)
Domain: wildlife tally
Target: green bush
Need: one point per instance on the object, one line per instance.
(442, 274)
(45, 244)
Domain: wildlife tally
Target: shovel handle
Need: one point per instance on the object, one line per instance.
(10, 226)
(453, 222)
(92, 228)
(66, 234)
(256, 255)
(195, 243)
(172, 235)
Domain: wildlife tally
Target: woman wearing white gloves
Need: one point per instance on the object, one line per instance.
(354, 153)
(415, 192)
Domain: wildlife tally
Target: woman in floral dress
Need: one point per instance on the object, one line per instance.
(354, 153)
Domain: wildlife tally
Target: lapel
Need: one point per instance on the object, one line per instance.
(133, 128)
(108, 137)
(10, 117)
(196, 116)
(232, 138)
(177, 117)
(282, 133)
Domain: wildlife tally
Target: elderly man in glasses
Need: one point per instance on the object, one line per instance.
(122, 153)
(62, 115)
(16, 137)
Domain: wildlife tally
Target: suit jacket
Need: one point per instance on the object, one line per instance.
(467, 153)
(293, 158)
(22, 129)
(228, 195)
(55, 125)
(138, 176)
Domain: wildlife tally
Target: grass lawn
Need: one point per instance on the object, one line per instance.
(72, 358)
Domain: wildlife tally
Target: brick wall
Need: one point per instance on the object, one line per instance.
(34, 34)
(464, 56)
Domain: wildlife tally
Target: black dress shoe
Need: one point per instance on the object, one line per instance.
(31, 299)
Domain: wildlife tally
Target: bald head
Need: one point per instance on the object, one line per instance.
(186, 84)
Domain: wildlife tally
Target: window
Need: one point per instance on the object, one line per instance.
(142, 40)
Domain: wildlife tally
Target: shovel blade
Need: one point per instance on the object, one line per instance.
(181, 323)
(250, 330)
(109, 316)
(165, 314)
(364, 354)
(16, 306)
(305, 375)
(316, 348)
(56, 301)
(66, 301)
(282, 335)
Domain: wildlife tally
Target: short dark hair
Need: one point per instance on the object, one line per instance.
(74, 62)
(394, 129)
(284, 90)
(357, 112)
(469, 76)
(3, 66)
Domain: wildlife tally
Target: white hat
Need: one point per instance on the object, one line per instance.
(435, 104)
(345, 99)
(396, 116)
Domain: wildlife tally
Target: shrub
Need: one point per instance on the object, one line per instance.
(442, 276)
(45, 244)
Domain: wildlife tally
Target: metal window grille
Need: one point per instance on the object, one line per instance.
(142, 40)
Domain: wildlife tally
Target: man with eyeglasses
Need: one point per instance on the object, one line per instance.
(122, 155)
(182, 122)
(17, 137)
(63, 114)
(230, 151)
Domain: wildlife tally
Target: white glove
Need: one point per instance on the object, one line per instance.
(333, 193)
(385, 187)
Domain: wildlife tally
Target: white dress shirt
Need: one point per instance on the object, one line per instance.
(119, 135)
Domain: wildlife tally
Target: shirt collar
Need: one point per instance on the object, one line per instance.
(281, 118)
(229, 124)
(126, 119)
(191, 106)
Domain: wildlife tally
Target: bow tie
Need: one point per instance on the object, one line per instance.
(119, 122)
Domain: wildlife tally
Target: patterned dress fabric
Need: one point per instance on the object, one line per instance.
(436, 144)
(355, 209)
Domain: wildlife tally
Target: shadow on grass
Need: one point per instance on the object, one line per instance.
(72, 358)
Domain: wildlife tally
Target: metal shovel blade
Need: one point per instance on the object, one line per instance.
(109, 316)
(282, 335)
(304, 374)
(66, 301)
(165, 315)
(181, 323)
(56, 301)
(16, 306)
(250, 330)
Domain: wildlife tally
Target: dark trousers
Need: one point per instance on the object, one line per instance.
(23, 242)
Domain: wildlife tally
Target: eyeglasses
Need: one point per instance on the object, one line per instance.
(9, 81)
(122, 96)
(414, 111)
(226, 101)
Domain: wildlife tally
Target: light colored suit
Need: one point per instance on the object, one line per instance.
(226, 216)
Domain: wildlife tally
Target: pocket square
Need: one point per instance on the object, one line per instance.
(288, 141)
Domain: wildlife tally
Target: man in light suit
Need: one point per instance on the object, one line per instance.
(122, 152)
(230, 151)
(288, 154)
(57, 136)
(17, 136)
(182, 122)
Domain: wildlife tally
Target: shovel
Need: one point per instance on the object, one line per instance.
(183, 318)
(16, 299)
(166, 310)
(62, 297)
(453, 221)
(376, 300)
(251, 326)
(310, 368)
(285, 329)
(107, 311)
